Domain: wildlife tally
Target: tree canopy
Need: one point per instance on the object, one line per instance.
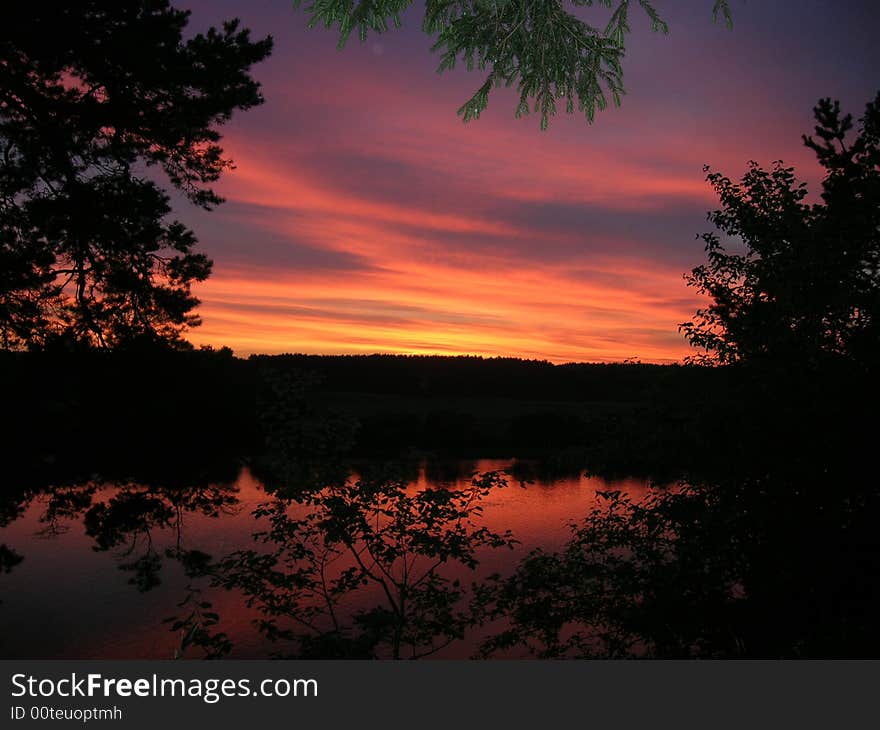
(540, 46)
(92, 95)
(806, 286)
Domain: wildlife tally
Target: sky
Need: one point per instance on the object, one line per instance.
(364, 216)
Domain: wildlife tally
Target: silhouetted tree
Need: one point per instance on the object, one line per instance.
(547, 51)
(806, 289)
(91, 95)
(758, 566)
(774, 551)
(375, 539)
(658, 577)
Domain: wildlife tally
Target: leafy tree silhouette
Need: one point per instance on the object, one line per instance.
(776, 553)
(375, 539)
(806, 290)
(91, 95)
(657, 577)
(754, 567)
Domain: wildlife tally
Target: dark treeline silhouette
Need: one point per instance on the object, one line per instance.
(605, 413)
(94, 411)
(433, 375)
(124, 413)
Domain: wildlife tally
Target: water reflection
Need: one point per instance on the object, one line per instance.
(386, 563)
(438, 558)
(369, 569)
(127, 522)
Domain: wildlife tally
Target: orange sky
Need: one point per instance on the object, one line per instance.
(363, 216)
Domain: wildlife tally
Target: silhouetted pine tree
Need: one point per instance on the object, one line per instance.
(91, 95)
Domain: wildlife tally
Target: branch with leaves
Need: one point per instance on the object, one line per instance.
(539, 46)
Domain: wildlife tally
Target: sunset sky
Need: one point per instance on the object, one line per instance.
(363, 216)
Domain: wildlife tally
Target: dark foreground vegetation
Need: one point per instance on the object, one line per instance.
(762, 543)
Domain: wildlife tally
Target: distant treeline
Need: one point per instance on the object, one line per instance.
(130, 413)
(505, 377)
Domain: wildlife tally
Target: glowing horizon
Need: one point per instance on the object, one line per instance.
(364, 217)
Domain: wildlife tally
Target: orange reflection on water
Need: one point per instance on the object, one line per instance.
(104, 616)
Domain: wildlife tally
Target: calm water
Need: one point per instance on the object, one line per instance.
(96, 579)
